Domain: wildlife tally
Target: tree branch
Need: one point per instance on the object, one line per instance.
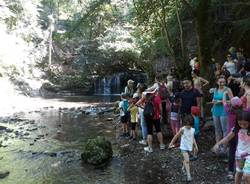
(189, 7)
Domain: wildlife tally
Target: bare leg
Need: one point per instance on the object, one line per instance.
(247, 179)
(238, 177)
(186, 163)
(126, 127)
(160, 137)
(149, 140)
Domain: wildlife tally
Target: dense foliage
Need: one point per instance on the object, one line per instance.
(92, 38)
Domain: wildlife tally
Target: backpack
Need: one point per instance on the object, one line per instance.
(149, 109)
(163, 92)
(125, 106)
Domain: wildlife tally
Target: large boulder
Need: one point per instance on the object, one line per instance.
(97, 151)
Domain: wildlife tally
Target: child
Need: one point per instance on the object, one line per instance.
(195, 111)
(133, 109)
(231, 109)
(188, 143)
(123, 106)
(174, 114)
(242, 158)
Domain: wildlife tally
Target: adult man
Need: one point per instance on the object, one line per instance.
(189, 97)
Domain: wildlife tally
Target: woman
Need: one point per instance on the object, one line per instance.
(129, 89)
(218, 111)
(230, 65)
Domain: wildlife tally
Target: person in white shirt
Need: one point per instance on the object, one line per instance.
(188, 143)
(230, 65)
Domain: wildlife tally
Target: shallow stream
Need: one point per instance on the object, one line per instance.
(44, 147)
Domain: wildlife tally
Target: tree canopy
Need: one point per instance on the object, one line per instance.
(99, 37)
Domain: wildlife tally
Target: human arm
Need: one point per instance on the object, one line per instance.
(229, 93)
(195, 147)
(204, 81)
(154, 87)
(224, 141)
(248, 100)
(171, 144)
(131, 106)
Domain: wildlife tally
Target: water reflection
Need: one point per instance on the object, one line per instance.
(64, 135)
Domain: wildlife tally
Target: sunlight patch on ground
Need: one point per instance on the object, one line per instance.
(12, 101)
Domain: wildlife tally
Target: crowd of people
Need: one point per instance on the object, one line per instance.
(180, 104)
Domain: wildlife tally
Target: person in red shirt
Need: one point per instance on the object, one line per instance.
(154, 122)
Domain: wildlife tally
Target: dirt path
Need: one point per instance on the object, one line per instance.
(164, 166)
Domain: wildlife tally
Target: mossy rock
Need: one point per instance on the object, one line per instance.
(97, 151)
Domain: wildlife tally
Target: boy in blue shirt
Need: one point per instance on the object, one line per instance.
(124, 114)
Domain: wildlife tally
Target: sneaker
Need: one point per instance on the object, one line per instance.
(230, 175)
(189, 178)
(193, 157)
(162, 146)
(148, 149)
(143, 142)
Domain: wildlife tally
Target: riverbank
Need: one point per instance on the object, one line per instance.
(164, 166)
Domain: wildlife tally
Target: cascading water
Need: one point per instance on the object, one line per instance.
(115, 84)
(107, 85)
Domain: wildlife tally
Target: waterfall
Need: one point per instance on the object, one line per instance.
(107, 85)
(115, 84)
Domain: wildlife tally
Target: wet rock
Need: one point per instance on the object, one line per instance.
(8, 130)
(32, 122)
(72, 109)
(3, 127)
(26, 134)
(32, 129)
(42, 126)
(97, 151)
(56, 164)
(41, 136)
(109, 119)
(4, 174)
(51, 154)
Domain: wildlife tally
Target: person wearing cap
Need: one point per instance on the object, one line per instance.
(129, 89)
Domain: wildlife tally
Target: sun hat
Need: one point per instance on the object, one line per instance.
(130, 81)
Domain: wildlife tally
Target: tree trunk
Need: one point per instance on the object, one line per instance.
(181, 31)
(203, 42)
